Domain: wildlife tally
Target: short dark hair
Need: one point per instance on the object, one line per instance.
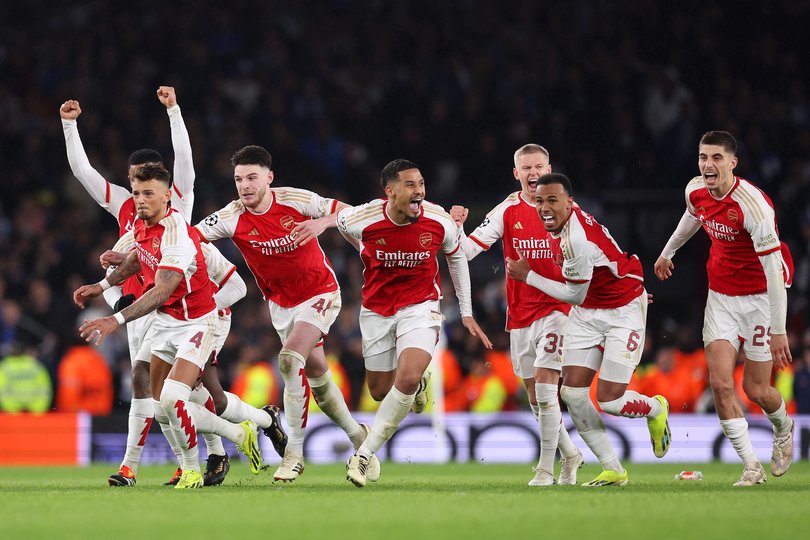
(252, 155)
(720, 138)
(145, 155)
(557, 178)
(152, 171)
(390, 172)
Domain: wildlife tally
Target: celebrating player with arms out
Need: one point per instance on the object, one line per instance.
(534, 319)
(399, 238)
(748, 270)
(181, 336)
(606, 325)
(273, 230)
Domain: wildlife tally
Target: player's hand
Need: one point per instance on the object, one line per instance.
(70, 110)
(780, 351)
(517, 269)
(649, 298)
(459, 214)
(470, 324)
(111, 258)
(86, 292)
(167, 96)
(307, 230)
(663, 268)
(97, 329)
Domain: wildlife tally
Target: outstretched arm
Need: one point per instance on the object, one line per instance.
(129, 267)
(166, 281)
(307, 230)
(687, 227)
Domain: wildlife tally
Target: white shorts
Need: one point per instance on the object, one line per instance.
(538, 345)
(736, 319)
(619, 332)
(140, 349)
(190, 340)
(384, 338)
(320, 311)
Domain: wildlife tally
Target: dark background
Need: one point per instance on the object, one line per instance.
(618, 91)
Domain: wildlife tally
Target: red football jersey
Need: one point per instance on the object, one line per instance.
(516, 222)
(742, 227)
(589, 253)
(285, 273)
(171, 245)
(400, 265)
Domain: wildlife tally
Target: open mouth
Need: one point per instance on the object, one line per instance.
(548, 220)
(710, 177)
(414, 205)
(532, 183)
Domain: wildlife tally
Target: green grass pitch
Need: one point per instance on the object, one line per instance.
(411, 501)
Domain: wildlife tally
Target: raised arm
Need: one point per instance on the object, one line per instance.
(184, 174)
(108, 196)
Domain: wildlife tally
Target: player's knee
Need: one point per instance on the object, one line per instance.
(572, 395)
(722, 386)
(172, 393)
(290, 362)
(378, 392)
(756, 392)
(160, 414)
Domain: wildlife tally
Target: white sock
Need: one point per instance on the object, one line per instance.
(535, 407)
(174, 400)
(238, 411)
(565, 444)
(208, 422)
(330, 400)
(201, 396)
(393, 409)
(736, 429)
(632, 405)
(590, 426)
(296, 398)
(780, 420)
(139, 421)
(168, 431)
(549, 419)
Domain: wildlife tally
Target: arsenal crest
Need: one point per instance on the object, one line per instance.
(287, 222)
(425, 239)
(155, 244)
(732, 216)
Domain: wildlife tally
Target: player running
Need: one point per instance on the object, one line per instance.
(606, 325)
(748, 271)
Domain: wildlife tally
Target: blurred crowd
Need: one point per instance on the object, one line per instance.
(618, 91)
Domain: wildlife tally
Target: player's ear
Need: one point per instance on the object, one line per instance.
(734, 162)
(270, 177)
(515, 173)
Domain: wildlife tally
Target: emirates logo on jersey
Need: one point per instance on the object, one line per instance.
(733, 216)
(425, 239)
(287, 222)
(155, 244)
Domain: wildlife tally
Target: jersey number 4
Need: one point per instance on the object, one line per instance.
(197, 339)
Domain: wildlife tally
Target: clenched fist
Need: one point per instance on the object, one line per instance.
(70, 110)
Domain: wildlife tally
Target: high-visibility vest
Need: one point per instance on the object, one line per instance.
(24, 385)
(256, 385)
(84, 382)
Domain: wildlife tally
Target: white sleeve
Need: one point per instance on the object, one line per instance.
(487, 233)
(763, 230)
(469, 247)
(220, 224)
(307, 202)
(125, 244)
(351, 228)
(687, 227)
(777, 295)
(231, 291)
(569, 292)
(108, 196)
(457, 265)
(184, 175)
(578, 263)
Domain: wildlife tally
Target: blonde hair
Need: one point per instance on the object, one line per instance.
(530, 148)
